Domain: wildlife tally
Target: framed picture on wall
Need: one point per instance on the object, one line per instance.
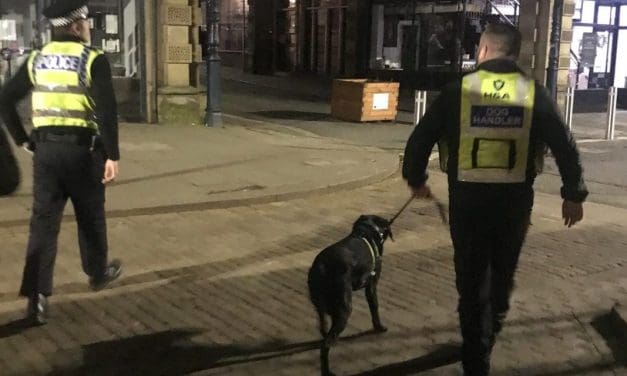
(390, 31)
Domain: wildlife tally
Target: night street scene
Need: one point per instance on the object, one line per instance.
(313, 187)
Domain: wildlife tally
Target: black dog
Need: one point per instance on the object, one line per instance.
(348, 265)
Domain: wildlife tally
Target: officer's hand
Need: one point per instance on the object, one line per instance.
(424, 191)
(111, 171)
(572, 212)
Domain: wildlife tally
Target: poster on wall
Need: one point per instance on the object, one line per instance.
(588, 53)
(390, 31)
(111, 24)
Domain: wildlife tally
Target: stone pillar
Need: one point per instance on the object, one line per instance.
(178, 101)
(175, 47)
(564, 57)
(535, 27)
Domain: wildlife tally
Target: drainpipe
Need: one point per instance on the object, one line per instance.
(556, 31)
(214, 112)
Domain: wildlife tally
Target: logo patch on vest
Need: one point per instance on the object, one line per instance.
(496, 117)
(58, 62)
(498, 84)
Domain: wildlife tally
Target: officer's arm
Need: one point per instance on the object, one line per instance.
(421, 142)
(106, 107)
(15, 90)
(556, 135)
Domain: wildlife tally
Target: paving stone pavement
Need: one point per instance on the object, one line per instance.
(223, 292)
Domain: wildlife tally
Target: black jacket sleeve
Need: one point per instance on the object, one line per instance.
(552, 130)
(15, 90)
(106, 108)
(420, 144)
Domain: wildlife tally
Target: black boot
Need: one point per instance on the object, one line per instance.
(37, 311)
(113, 271)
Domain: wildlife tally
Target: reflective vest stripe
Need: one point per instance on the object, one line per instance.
(75, 114)
(495, 124)
(52, 121)
(61, 89)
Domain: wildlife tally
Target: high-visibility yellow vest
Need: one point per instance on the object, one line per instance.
(495, 126)
(61, 76)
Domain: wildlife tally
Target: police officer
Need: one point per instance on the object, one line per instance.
(75, 144)
(492, 126)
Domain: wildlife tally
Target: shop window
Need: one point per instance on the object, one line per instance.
(578, 6)
(606, 15)
(623, 15)
(587, 11)
(232, 25)
(620, 77)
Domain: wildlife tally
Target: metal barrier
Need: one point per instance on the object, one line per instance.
(420, 105)
(612, 97)
(570, 105)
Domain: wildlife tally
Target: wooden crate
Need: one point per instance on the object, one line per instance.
(361, 100)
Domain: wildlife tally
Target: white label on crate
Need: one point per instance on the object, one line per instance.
(380, 101)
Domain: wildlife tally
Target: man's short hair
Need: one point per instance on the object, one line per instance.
(504, 38)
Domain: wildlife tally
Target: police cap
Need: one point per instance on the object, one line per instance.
(64, 12)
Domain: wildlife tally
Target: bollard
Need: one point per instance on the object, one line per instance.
(612, 96)
(420, 105)
(570, 105)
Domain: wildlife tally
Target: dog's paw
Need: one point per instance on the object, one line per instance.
(380, 329)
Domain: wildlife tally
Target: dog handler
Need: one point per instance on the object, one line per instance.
(492, 126)
(75, 144)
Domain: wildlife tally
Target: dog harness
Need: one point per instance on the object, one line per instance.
(374, 252)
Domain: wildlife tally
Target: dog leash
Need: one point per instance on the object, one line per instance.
(402, 210)
(436, 201)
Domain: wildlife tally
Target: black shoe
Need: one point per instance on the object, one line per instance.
(37, 311)
(113, 271)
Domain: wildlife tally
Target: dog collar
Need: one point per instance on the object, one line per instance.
(374, 252)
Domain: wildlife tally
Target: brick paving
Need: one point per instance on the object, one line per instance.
(223, 292)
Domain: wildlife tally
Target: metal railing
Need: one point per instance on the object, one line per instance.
(612, 96)
(569, 107)
(494, 4)
(577, 60)
(612, 101)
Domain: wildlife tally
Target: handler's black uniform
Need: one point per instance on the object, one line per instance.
(68, 161)
(489, 222)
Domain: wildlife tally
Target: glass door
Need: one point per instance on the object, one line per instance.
(606, 27)
(602, 72)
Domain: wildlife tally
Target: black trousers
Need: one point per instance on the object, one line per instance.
(62, 171)
(488, 229)
(9, 171)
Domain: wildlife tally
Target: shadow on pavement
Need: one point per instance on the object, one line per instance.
(605, 325)
(293, 115)
(13, 328)
(440, 357)
(173, 352)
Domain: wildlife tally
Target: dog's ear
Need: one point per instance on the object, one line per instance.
(389, 231)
